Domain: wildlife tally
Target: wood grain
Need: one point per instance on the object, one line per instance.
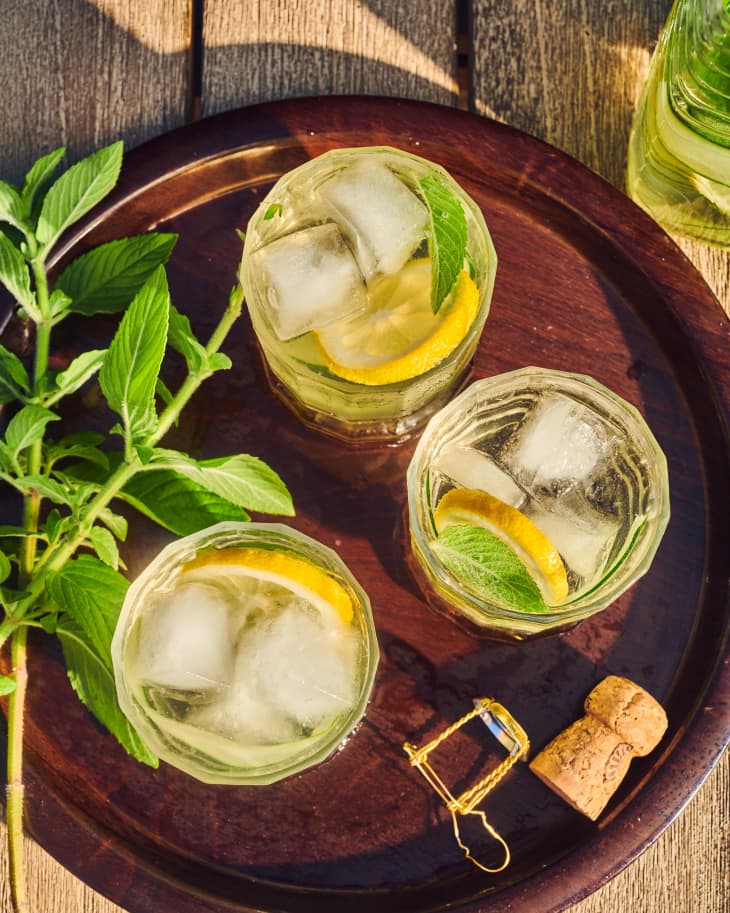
(257, 51)
(83, 74)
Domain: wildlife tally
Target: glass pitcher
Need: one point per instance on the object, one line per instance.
(679, 149)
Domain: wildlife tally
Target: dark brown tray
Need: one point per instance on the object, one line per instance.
(586, 282)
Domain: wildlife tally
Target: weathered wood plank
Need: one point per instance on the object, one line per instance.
(568, 73)
(256, 51)
(83, 74)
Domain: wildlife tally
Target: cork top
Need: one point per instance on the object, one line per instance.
(633, 714)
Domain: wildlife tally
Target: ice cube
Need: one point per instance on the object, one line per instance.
(311, 279)
(470, 468)
(301, 668)
(584, 539)
(558, 444)
(185, 642)
(242, 714)
(385, 220)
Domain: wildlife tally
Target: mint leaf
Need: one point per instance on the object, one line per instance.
(5, 567)
(81, 369)
(114, 522)
(15, 277)
(39, 176)
(90, 596)
(184, 341)
(489, 567)
(128, 377)
(243, 480)
(14, 532)
(59, 305)
(7, 685)
(104, 280)
(82, 446)
(77, 190)
(12, 208)
(26, 427)
(177, 503)
(93, 681)
(447, 239)
(46, 488)
(14, 380)
(105, 546)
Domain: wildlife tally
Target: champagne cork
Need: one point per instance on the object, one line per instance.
(586, 763)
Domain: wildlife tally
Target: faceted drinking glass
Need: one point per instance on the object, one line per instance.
(245, 653)
(564, 452)
(337, 270)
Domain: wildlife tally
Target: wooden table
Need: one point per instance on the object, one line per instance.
(85, 72)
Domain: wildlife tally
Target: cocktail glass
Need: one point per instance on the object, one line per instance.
(568, 467)
(341, 269)
(245, 653)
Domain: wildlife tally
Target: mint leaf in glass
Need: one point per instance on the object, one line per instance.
(485, 564)
(447, 238)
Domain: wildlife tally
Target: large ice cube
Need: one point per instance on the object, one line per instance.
(185, 642)
(385, 219)
(470, 468)
(557, 445)
(311, 279)
(301, 668)
(240, 713)
(584, 539)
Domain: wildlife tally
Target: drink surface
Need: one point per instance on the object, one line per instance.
(562, 466)
(246, 663)
(679, 149)
(368, 275)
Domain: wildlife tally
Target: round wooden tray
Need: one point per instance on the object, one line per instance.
(586, 282)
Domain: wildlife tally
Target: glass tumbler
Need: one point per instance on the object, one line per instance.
(245, 653)
(338, 271)
(563, 472)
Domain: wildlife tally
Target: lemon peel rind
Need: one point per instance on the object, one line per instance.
(466, 506)
(287, 569)
(429, 353)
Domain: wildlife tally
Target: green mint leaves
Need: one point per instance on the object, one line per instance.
(76, 192)
(487, 565)
(128, 376)
(60, 569)
(104, 280)
(447, 238)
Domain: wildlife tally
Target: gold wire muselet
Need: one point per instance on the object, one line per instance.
(509, 734)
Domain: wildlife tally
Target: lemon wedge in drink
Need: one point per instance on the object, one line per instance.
(398, 336)
(300, 577)
(470, 507)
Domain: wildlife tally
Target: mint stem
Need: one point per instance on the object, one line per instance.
(15, 788)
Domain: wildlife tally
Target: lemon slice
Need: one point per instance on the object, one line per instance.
(398, 336)
(467, 506)
(283, 568)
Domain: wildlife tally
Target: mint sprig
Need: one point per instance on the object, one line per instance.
(447, 237)
(485, 564)
(60, 567)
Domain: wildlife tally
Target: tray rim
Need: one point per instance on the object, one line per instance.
(204, 135)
